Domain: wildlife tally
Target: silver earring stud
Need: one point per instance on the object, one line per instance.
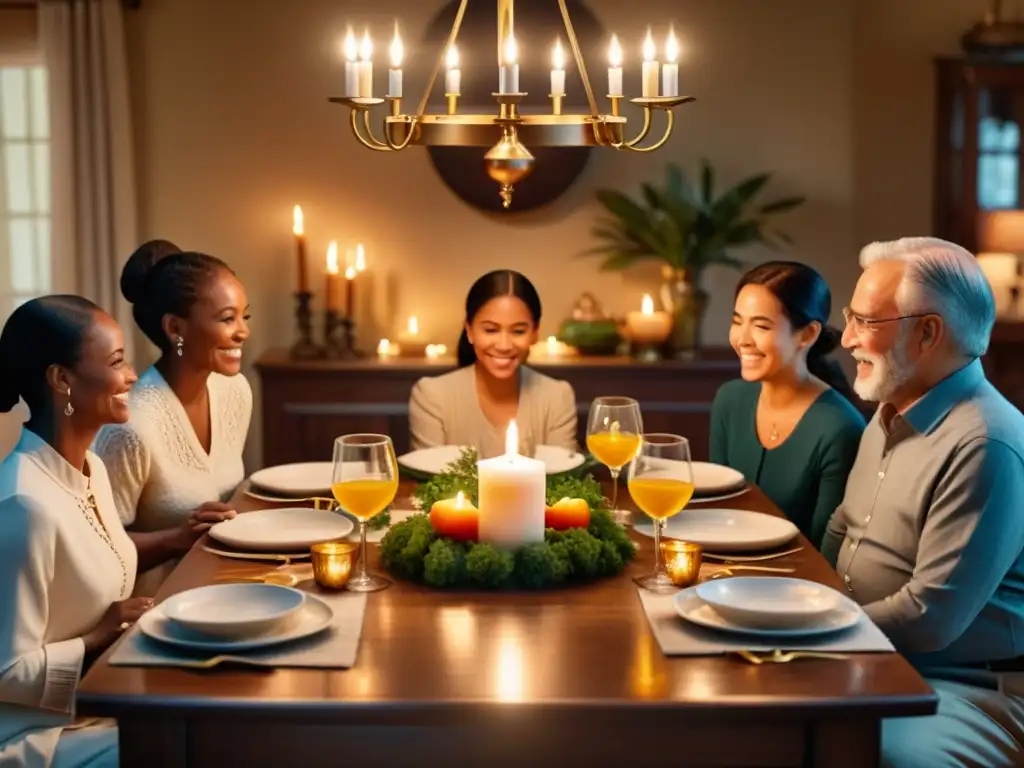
(181, 346)
(69, 408)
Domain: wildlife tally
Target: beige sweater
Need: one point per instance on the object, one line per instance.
(445, 410)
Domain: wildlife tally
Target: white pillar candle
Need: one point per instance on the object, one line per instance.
(351, 48)
(511, 494)
(366, 66)
(615, 68)
(649, 82)
(395, 73)
(453, 77)
(670, 72)
(558, 70)
(508, 73)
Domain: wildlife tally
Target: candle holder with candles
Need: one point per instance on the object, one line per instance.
(333, 562)
(340, 337)
(648, 331)
(682, 561)
(305, 348)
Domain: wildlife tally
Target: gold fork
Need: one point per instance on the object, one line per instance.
(730, 571)
(783, 657)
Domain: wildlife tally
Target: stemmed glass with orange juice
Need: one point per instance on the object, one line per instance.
(613, 437)
(364, 482)
(661, 483)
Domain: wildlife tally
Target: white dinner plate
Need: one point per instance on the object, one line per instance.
(314, 616)
(721, 497)
(312, 478)
(432, 461)
(233, 611)
(691, 608)
(714, 479)
(723, 530)
(766, 602)
(281, 530)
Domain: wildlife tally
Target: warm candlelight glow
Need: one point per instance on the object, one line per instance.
(510, 50)
(350, 273)
(512, 438)
(615, 52)
(649, 50)
(460, 500)
(552, 346)
(558, 56)
(360, 258)
(413, 326)
(297, 221)
(452, 58)
(647, 305)
(351, 47)
(671, 47)
(435, 351)
(366, 47)
(332, 258)
(397, 51)
(383, 347)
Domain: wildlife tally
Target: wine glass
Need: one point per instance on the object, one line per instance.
(613, 437)
(364, 482)
(661, 483)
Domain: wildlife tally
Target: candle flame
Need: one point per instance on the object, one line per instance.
(397, 50)
(351, 47)
(552, 345)
(671, 47)
(512, 439)
(452, 58)
(383, 347)
(360, 258)
(413, 326)
(460, 500)
(366, 47)
(615, 53)
(511, 50)
(649, 50)
(332, 258)
(558, 56)
(350, 273)
(647, 305)
(297, 221)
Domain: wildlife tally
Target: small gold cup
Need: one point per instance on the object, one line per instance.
(332, 563)
(682, 561)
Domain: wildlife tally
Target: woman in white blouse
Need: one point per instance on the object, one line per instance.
(67, 566)
(180, 454)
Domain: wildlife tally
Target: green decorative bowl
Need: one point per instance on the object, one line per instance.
(591, 337)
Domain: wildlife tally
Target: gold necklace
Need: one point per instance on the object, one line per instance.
(90, 509)
(774, 434)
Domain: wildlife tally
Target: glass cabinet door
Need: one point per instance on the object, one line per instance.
(998, 179)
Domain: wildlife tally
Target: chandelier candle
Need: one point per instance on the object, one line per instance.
(508, 74)
(351, 65)
(395, 73)
(511, 495)
(649, 86)
(453, 77)
(670, 72)
(558, 70)
(366, 67)
(615, 69)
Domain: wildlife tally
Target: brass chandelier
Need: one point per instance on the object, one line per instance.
(507, 133)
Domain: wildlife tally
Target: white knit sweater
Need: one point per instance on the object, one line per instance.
(59, 574)
(159, 470)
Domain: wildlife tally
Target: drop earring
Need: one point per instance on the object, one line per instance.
(69, 408)
(181, 346)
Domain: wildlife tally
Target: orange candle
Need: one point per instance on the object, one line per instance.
(299, 231)
(331, 284)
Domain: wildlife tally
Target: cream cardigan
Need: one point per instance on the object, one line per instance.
(445, 410)
(59, 576)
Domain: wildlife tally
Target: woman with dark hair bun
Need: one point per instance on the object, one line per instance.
(473, 405)
(179, 457)
(789, 425)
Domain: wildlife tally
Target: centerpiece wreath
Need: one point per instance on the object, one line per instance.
(413, 550)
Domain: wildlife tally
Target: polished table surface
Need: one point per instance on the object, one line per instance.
(430, 657)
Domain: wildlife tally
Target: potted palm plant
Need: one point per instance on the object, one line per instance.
(687, 227)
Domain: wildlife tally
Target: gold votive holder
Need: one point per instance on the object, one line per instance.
(682, 561)
(332, 563)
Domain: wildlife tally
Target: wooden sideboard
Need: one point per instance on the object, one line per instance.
(307, 404)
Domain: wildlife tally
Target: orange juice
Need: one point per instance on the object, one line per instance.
(613, 449)
(365, 498)
(659, 497)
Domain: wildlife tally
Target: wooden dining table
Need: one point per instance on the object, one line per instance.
(518, 679)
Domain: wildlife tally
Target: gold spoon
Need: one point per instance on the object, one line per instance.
(274, 577)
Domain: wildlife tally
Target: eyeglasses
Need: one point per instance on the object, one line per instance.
(864, 323)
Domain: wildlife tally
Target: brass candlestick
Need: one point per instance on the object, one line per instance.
(305, 348)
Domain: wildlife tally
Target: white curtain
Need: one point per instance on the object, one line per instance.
(94, 195)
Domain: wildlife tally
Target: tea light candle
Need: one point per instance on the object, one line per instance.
(508, 74)
(395, 73)
(436, 351)
(648, 326)
(453, 77)
(650, 70)
(558, 70)
(615, 68)
(682, 561)
(511, 494)
(670, 72)
(332, 563)
(365, 66)
(351, 49)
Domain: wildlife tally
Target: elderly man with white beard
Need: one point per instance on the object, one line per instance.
(930, 533)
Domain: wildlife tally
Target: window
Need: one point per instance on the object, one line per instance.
(24, 186)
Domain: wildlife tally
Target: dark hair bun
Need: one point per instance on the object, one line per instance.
(828, 341)
(140, 264)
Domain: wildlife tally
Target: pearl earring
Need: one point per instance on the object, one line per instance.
(69, 408)
(181, 345)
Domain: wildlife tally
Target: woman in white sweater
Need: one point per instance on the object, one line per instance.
(180, 454)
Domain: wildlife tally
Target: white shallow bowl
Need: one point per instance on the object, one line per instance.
(714, 479)
(690, 607)
(766, 602)
(723, 530)
(233, 611)
(432, 461)
(288, 529)
(311, 478)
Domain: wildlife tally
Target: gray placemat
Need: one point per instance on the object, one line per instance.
(334, 648)
(678, 637)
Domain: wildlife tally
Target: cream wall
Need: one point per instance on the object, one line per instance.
(233, 128)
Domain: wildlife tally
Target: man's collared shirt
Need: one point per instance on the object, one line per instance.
(930, 534)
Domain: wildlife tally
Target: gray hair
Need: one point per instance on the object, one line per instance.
(944, 278)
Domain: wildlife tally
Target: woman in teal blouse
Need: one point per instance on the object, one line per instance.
(789, 425)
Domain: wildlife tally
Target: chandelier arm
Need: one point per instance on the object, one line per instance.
(578, 56)
(440, 61)
(408, 137)
(369, 130)
(643, 131)
(660, 142)
(601, 136)
(354, 123)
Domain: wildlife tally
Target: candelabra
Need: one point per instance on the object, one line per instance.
(340, 337)
(508, 161)
(305, 348)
